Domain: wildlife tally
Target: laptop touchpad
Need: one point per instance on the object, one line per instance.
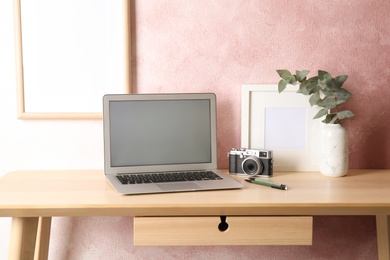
(178, 186)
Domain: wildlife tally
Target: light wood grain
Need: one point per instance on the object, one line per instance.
(43, 239)
(383, 236)
(23, 238)
(87, 193)
(204, 231)
(27, 195)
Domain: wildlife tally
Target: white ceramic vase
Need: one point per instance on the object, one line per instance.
(334, 150)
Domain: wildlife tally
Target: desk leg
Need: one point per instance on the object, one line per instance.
(43, 239)
(23, 238)
(383, 236)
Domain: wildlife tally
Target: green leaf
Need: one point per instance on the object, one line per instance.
(321, 113)
(333, 119)
(328, 102)
(340, 80)
(313, 79)
(301, 75)
(327, 91)
(292, 80)
(322, 73)
(344, 114)
(327, 76)
(309, 87)
(327, 119)
(322, 84)
(333, 85)
(282, 85)
(284, 74)
(315, 98)
(314, 88)
(342, 95)
(303, 88)
(330, 119)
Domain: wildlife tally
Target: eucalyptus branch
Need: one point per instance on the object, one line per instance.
(324, 91)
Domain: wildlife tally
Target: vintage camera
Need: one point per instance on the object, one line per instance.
(250, 162)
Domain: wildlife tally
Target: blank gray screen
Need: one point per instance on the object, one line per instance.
(160, 132)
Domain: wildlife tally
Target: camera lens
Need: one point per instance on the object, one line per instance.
(252, 165)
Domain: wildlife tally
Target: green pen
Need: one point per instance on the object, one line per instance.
(267, 183)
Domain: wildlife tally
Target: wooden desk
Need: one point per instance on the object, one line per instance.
(31, 198)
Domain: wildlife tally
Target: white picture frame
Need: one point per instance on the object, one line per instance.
(283, 123)
(69, 54)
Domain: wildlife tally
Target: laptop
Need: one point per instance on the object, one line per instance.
(155, 143)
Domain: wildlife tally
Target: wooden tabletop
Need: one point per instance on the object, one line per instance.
(88, 193)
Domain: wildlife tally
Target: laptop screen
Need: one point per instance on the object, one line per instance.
(158, 132)
(146, 131)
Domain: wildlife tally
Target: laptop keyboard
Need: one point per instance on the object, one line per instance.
(168, 177)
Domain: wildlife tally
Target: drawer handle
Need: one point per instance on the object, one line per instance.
(223, 226)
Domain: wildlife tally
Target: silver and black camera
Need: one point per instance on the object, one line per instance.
(250, 162)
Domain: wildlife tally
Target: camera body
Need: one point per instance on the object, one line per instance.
(250, 162)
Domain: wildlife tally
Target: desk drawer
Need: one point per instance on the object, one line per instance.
(197, 231)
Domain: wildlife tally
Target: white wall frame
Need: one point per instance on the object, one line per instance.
(281, 122)
(70, 53)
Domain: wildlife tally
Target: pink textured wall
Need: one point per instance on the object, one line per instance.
(203, 45)
(218, 45)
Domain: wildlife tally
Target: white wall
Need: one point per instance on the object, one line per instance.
(39, 144)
